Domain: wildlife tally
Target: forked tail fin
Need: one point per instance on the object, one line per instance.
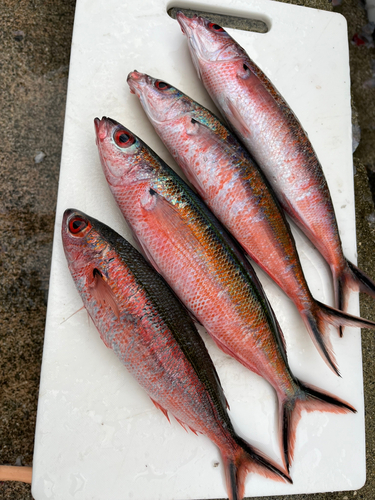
(352, 278)
(340, 318)
(316, 324)
(364, 282)
(317, 319)
(307, 398)
(247, 459)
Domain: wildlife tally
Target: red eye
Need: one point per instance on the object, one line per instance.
(162, 85)
(215, 27)
(77, 225)
(123, 139)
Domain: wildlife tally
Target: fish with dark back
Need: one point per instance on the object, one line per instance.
(141, 320)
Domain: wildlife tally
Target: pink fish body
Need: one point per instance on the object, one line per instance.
(236, 191)
(141, 320)
(205, 268)
(275, 138)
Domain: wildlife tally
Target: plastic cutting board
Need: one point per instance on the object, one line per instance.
(98, 435)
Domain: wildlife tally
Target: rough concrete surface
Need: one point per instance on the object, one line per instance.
(35, 37)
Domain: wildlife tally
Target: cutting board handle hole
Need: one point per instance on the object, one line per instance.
(224, 20)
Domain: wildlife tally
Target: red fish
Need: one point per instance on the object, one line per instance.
(268, 127)
(235, 189)
(141, 320)
(206, 269)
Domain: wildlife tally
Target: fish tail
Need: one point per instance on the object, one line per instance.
(341, 318)
(351, 278)
(315, 320)
(307, 398)
(318, 317)
(359, 280)
(247, 459)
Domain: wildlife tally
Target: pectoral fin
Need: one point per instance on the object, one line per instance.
(103, 293)
(237, 120)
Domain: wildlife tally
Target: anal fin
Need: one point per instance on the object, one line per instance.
(159, 407)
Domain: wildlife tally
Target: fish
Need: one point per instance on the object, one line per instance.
(142, 321)
(235, 189)
(206, 269)
(272, 133)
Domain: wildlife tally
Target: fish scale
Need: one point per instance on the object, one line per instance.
(206, 269)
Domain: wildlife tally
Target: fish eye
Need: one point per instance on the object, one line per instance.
(77, 224)
(162, 85)
(215, 27)
(123, 138)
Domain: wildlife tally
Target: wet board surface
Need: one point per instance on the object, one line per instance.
(98, 434)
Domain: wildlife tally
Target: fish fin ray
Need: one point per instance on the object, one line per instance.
(234, 355)
(103, 293)
(364, 282)
(173, 223)
(307, 398)
(238, 122)
(183, 425)
(316, 323)
(75, 312)
(214, 137)
(159, 407)
(340, 318)
(247, 459)
(351, 279)
(146, 254)
(193, 431)
(149, 258)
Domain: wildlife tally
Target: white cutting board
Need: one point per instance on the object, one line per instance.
(98, 434)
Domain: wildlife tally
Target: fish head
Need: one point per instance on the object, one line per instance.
(121, 152)
(208, 42)
(83, 244)
(161, 101)
(91, 259)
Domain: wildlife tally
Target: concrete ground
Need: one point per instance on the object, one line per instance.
(35, 37)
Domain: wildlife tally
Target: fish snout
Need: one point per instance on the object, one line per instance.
(104, 127)
(135, 75)
(186, 23)
(190, 22)
(136, 81)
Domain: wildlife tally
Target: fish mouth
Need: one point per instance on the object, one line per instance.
(199, 49)
(188, 27)
(136, 81)
(186, 23)
(110, 152)
(143, 86)
(104, 127)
